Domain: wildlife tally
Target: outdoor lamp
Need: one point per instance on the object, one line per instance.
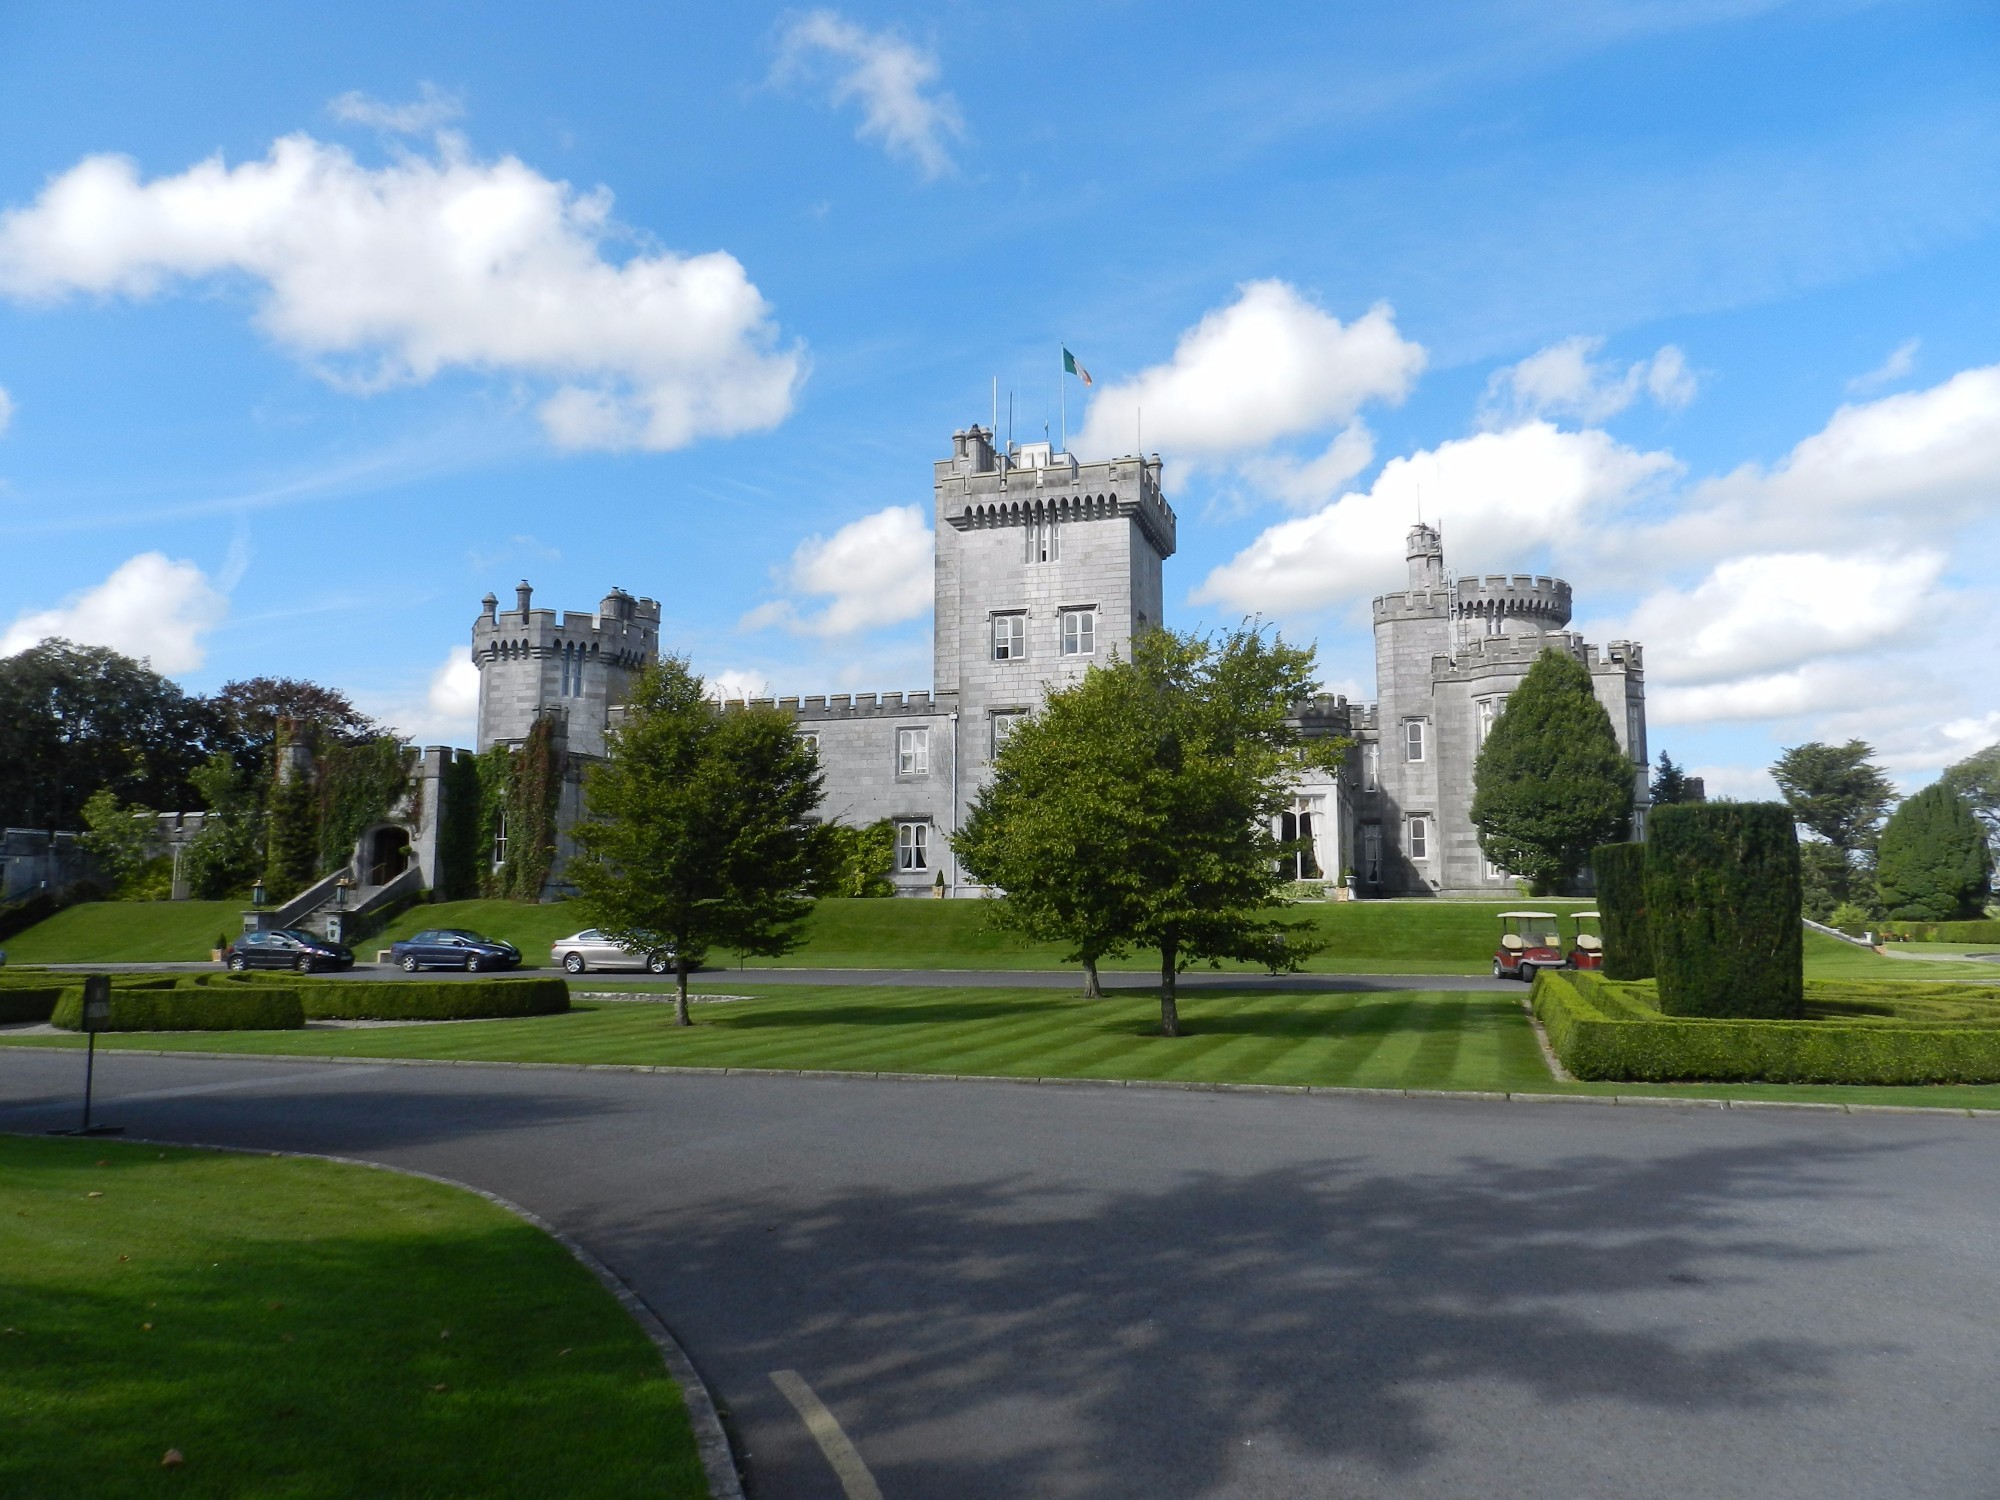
(340, 889)
(257, 893)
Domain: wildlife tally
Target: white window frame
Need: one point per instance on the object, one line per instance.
(913, 752)
(913, 847)
(1079, 632)
(1417, 836)
(811, 737)
(1044, 539)
(1490, 710)
(1010, 635)
(1003, 723)
(1414, 740)
(500, 840)
(1297, 826)
(1371, 767)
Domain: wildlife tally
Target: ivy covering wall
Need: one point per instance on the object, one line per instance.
(527, 796)
(314, 819)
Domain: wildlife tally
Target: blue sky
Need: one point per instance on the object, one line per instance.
(317, 324)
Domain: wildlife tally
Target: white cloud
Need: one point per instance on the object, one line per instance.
(1902, 359)
(888, 77)
(431, 109)
(1269, 366)
(1753, 616)
(6, 411)
(454, 690)
(732, 683)
(1500, 495)
(874, 571)
(1565, 380)
(1317, 480)
(150, 607)
(391, 275)
(1820, 687)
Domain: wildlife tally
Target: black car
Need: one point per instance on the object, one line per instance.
(453, 948)
(288, 948)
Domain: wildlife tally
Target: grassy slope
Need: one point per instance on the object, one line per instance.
(1397, 1039)
(126, 932)
(279, 1322)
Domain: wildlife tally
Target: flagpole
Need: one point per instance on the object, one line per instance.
(1062, 401)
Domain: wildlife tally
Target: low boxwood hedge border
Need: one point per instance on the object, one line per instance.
(154, 1008)
(1601, 1031)
(408, 999)
(28, 1002)
(1987, 931)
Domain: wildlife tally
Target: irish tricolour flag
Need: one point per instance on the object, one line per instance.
(1071, 367)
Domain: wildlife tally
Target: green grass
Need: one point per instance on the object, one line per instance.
(1412, 1039)
(1829, 958)
(282, 1324)
(132, 932)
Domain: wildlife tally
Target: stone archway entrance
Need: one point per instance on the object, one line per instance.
(385, 855)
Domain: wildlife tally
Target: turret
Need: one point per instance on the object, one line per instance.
(569, 663)
(1425, 554)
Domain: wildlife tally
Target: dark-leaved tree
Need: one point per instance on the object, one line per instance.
(1837, 794)
(1551, 784)
(1933, 863)
(700, 832)
(1977, 780)
(1670, 783)
(76, 720)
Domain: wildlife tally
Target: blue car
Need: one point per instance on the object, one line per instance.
(453, 948)
(287, 948)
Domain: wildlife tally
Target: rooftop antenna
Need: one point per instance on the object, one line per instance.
(996, 403)
(1139, 432)
(1010, 421)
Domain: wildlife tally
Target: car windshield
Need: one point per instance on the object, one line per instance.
(1539, 934)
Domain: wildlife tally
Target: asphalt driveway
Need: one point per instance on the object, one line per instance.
(1014, 1290)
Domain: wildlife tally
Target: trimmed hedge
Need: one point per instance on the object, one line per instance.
(29, 1002)
(187, 1009)
(408, 999)
(413, 1000)
(1604, 1030)
(1620, 872)
(1987, 931)
(1723, 901)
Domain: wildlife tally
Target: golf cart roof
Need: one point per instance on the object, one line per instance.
(1578, 915)
(1546, 916)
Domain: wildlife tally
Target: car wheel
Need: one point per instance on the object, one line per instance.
(472, 965)
(410, 964)
(659, 963)
(573, 962)
(238, 962)
(1498, 972)
(304, 966)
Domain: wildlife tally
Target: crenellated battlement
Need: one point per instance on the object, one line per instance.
(623, 631)
(978, 488)
(851, 705)
(1413, 604)
(1500, 599)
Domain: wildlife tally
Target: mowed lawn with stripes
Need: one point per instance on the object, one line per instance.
(1392, 1039)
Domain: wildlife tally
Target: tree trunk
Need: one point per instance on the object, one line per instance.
(1092, 990)
(1170, 1014)
(681, 1017)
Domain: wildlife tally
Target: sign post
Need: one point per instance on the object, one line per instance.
(96, 1016)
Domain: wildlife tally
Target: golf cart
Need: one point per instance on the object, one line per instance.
(1530, 941)
(1588, 950)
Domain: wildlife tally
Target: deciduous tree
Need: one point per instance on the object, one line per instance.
(1551, 784)
(700, 831)
(1838, 794)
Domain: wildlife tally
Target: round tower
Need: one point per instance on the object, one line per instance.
(1503, 604)
(577, 663)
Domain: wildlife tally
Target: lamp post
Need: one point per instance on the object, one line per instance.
(257, 892)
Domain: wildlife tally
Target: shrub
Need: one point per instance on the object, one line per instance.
(1722, 898)
(1847, 918)
(1932, 863)
(263, 1008)
(1620, 870)
(1602, 1030)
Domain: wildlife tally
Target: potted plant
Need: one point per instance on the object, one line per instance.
(1348, 884)
(220, 950)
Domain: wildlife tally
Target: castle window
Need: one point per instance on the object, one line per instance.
(1635, 733)
(500, 839)
(1371, 767)
(1296, 827)
(913, 752)
(1003, 725)
(1371, 853)
(1489, 712)
(1044, 540)
(1079, 632)
(1010, 637)
(810, 737)
(1413, 739)
(913, 846)
(1419, 843)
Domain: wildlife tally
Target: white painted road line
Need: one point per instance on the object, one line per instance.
(847, 1465)
(194, 1090)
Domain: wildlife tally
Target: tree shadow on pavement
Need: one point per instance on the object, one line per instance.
(1130, 1343)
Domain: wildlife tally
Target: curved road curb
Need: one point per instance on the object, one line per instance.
(1668, 1101)
(718, 1462)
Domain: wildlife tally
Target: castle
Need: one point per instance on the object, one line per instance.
(1044, 565)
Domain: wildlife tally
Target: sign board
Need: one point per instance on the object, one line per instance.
(96, 1001)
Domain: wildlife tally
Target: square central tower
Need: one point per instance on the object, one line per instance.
(1045, 565)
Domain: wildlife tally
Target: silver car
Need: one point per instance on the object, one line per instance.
(591, 949)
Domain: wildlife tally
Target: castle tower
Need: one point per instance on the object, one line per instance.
(582, 664)
(1400, 780)
(1044, 565)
